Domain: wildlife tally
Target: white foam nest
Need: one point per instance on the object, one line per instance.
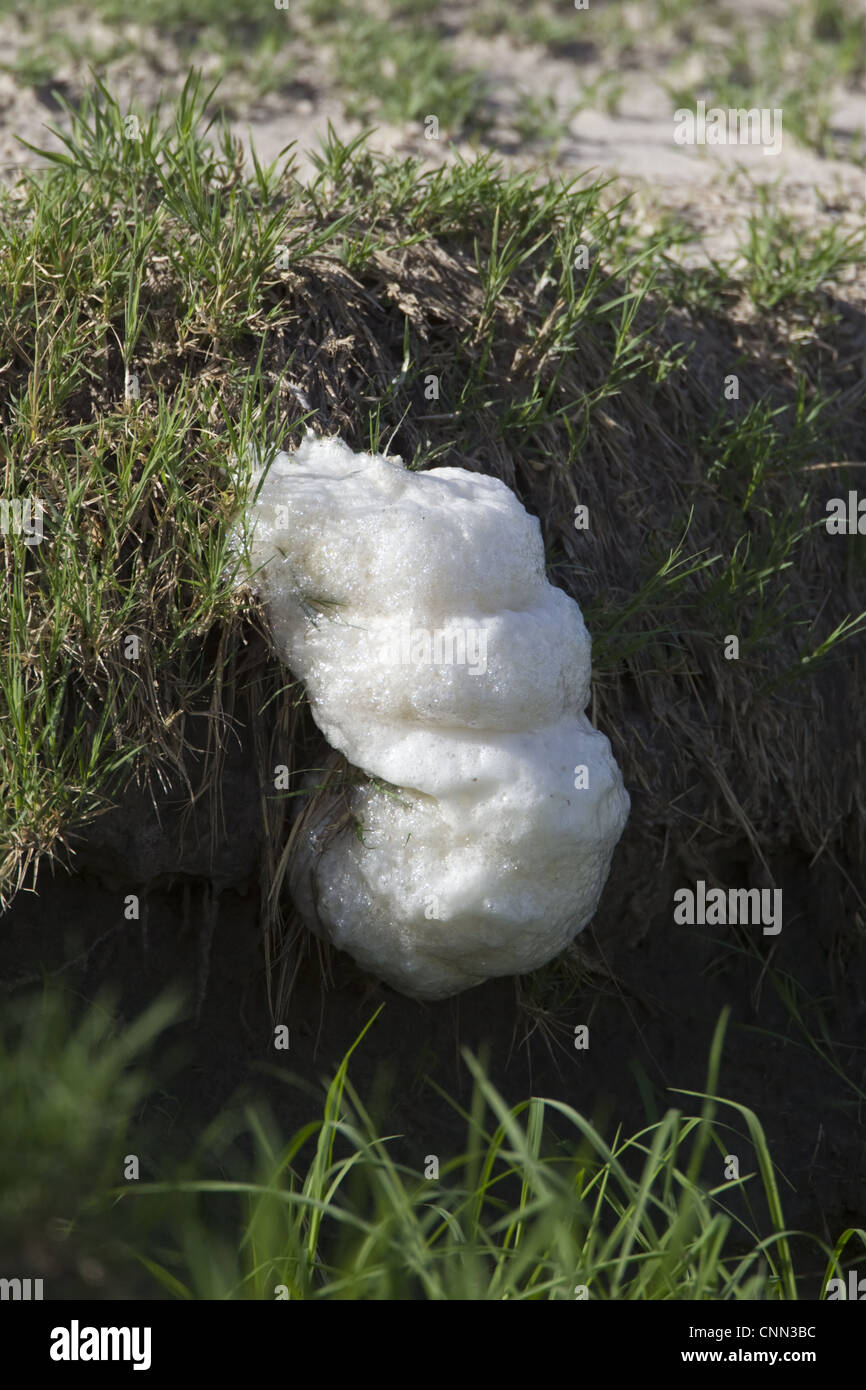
(441, 662)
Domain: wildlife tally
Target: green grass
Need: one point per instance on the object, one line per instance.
(793, 63)
(397, 73)
(405, 63)
(539, 1204)
(397, 68)
(781, 260)
(146, 323)
(71, 1092)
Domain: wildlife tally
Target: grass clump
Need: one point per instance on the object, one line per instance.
(163, 308)
(540, 1205)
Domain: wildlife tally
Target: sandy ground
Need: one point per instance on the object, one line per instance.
(710, 189)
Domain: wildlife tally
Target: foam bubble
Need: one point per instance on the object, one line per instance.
(439, 660)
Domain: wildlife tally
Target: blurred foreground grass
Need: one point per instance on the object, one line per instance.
(539, 1205)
